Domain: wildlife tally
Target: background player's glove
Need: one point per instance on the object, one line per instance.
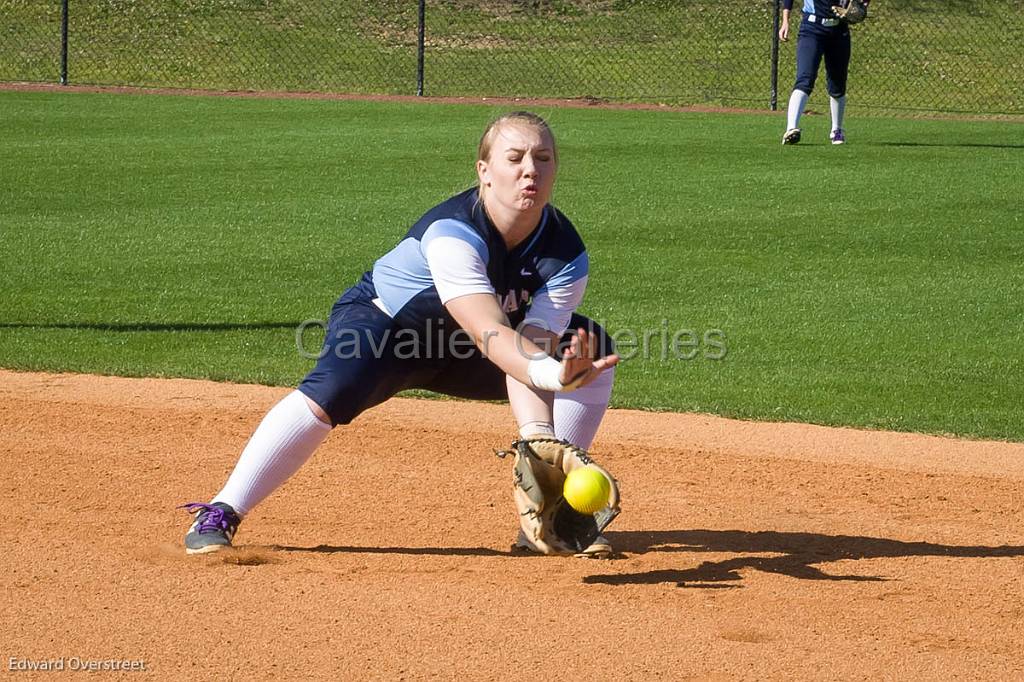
(851, 11)
(548, 523)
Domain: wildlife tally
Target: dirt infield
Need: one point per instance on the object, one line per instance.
(746, 550)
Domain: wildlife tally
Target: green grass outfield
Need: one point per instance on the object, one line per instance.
(877, 284)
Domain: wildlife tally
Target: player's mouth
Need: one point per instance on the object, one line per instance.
(530, 190)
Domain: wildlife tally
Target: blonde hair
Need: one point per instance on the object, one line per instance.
(523, 118)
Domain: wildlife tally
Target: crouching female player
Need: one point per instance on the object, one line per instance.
(497, 264)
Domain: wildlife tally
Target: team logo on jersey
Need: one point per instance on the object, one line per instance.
(511, 301)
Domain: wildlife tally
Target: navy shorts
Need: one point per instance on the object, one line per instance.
(366, 359)
(813, 43)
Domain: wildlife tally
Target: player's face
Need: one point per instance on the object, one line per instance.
(520, 171)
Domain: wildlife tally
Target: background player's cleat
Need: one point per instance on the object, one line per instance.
(791, 136)
(837, 136)
(213, 528)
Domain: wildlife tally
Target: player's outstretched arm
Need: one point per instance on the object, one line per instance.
(521, 358)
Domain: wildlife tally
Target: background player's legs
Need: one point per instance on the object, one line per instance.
(837, 66)
(282, 443)
(809, 48)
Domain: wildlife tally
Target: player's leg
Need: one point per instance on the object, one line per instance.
(837, 66)
(283, 441)
(352, 375)
(809, 49)
(578, 413)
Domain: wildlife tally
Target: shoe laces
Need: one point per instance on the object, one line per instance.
(212, 518)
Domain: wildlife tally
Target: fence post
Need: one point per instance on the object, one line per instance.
(419, 47)
(775, 56)
(64, 42)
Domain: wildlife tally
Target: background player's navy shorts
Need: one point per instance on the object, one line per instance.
(366, 359)
(814, 42)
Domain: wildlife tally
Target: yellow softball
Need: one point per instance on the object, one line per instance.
(586, 490)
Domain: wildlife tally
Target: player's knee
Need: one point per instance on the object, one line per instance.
(805, 85)
(337, 398)
(318, 411)
(319, 399)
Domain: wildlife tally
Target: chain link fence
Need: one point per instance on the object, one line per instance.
(911, 55)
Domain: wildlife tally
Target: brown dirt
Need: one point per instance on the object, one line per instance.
(578, 103)
(747, 550)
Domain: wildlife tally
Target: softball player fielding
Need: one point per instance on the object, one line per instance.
(821, 34)
(477, 301)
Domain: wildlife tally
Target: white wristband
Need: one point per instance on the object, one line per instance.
(544, 374)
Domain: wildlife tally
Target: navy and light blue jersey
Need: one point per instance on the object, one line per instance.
(454, 250)
(820, 8)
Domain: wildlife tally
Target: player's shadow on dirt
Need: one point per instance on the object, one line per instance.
(422, 551)
(798, 555)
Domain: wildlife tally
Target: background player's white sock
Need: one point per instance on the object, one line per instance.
(578, 413)
(797, 102)
(838, 107)
(282, 443)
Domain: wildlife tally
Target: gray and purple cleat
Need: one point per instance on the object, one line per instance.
(837, 136)
(213, 528)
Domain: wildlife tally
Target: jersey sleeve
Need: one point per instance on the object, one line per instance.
(457, 258)
(554, 303)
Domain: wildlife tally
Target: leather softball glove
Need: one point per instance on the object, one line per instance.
(851, 11)
(547, 523)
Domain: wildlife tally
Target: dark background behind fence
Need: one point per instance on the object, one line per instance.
(911, 55)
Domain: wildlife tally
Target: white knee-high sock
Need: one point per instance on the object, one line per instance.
(838, 107)
(578, 413)
(797, 102)
(281, 444)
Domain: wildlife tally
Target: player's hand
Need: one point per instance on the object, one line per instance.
(784, 32)
(578, 365)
